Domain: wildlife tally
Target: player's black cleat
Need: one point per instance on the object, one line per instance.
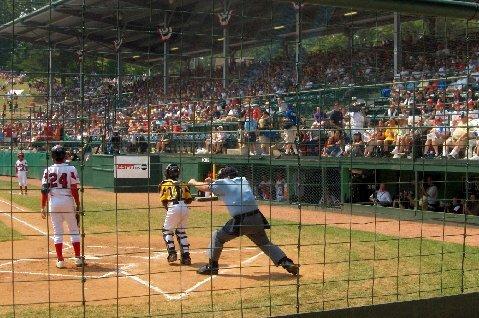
(289, 266)
(172, 257)
(208, 269)
(185, 259)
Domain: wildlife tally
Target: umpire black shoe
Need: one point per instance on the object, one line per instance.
(185, 259)
(208, 269)
(289, 266)
(172, 257)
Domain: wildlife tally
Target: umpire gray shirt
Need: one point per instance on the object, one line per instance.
(236, 194)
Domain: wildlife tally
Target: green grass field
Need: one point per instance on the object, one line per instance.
(6, 233)
(360, 268)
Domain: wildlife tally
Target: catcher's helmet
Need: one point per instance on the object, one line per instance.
(58, 153)
(172, 171)
(229, 172)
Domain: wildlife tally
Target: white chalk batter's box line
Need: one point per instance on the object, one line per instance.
(124, 269)
(125, 274)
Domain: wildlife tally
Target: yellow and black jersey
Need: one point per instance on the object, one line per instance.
(174, 191)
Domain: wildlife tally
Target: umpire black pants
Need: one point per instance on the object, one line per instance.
(253, 226)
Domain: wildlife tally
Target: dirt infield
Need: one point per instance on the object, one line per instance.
(131, 270)
(142, 271)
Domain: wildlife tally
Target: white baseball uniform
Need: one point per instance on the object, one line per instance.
(61, 204)
(22, 169)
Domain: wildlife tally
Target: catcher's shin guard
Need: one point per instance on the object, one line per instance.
(169, 240)
(182, 241)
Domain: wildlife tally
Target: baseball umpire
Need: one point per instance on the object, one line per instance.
(175, 195)
(246, 219)
(60, 188)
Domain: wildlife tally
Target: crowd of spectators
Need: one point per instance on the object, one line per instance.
(428, 199)
(430, 118)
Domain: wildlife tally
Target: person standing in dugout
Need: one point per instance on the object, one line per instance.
(21, 169)
(60, 188)
(175, 195)
(246, 219)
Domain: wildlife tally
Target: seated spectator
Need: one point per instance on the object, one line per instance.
(265, 188)
(404, 139)
(436, 137)
(381, 196)
(456, 206)
(430, 193)
(356, 148)
(376, 139)
(405, 200)
(472, 205)
(332, 148)
(218, 140)
(458, 139)
(210, 137)
(390, 134)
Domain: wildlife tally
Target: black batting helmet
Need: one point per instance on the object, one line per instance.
(172, 171)
(58, 153)
(229, 172)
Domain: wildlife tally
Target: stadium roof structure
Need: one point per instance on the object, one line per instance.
(196, 30)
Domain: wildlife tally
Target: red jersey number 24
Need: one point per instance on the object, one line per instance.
(63, 181)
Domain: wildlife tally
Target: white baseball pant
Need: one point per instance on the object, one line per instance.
(60, 214)
(176, 220)
(22, 178)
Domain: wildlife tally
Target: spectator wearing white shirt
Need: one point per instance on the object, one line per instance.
(436, 136)
(431, 193)
(381, 196)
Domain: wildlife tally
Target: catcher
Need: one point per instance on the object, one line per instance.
(175, 195)
(60, 189)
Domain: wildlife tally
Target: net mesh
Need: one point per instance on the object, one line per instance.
(355, 130)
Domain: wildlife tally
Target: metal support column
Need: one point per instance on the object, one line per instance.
(225, 56)
(165, 67)
(119, 81)
(397, 44)
(298, 48)
(50, 82)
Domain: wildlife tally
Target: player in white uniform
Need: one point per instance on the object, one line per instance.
(60, 189)
(21, 169)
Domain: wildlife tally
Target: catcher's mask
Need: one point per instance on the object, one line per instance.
(172, 171)
(228, 172)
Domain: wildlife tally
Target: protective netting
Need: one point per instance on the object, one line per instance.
(356, 131)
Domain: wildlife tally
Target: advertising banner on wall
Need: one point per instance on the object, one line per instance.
(132, 167)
